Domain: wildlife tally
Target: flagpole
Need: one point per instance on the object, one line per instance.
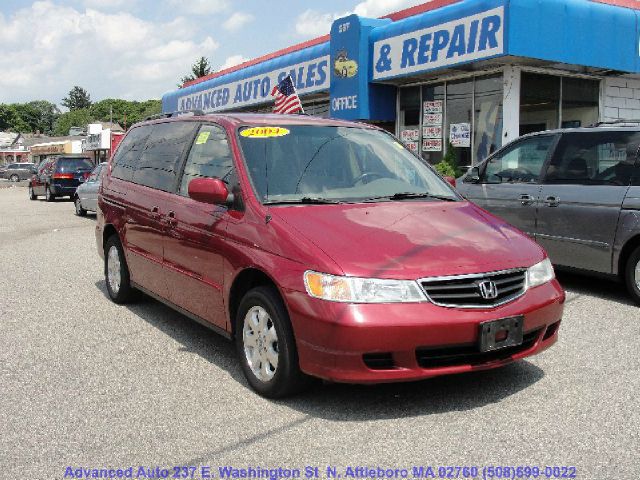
(301, 112)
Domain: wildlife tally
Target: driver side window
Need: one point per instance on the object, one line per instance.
(521, 163)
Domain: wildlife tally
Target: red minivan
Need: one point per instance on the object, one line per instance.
(323, 248)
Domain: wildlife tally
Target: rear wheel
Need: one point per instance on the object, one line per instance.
(116, 272)
(632, 275)
(81, 212)
(49, 197)
(14, 178)
(266, 346)
(32, 195)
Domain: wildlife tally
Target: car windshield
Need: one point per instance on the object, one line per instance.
(74, 164)
(309, 164)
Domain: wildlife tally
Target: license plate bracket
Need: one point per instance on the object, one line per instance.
(501, 333)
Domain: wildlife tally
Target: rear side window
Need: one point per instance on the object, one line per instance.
(128, 152)
(210, 157)
(73, 164)
(159, 163)
(595, 158)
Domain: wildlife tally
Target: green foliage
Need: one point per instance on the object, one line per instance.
(445, 169)
(78, 98)
(201, 68)
(448, 166)
(38, 115)
(74, 118)
(124, 112)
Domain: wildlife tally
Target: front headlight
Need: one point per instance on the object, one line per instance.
(361, 290)
(540, 273)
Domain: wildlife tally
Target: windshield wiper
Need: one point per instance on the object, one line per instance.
(304, 200)
(406, 195)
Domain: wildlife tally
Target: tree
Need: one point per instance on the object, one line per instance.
(123, 111)
(40, 115)
(9, 118)
(74, 118)
(78, 98)
(201, 68)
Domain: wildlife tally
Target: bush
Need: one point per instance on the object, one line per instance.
(445, 169)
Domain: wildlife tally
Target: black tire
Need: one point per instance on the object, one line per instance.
(48, 195)
(124, 293)
(288, 378)
(32, 195)
(632, 275)
(14, 178)
(81, 212)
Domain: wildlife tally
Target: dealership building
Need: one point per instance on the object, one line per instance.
(467, 75)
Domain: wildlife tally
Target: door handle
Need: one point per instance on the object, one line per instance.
(155, 212)
(552, 201)
(171, 219)
(526, 199)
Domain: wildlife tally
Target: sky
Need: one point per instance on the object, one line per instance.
(139, 49)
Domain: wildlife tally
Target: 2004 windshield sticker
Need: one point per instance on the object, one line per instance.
(264, 132)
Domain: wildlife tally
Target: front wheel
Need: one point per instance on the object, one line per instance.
(632, 275)
(81, 212)
(266, 346)
(116, 272)
(14, 178)
(32, 195)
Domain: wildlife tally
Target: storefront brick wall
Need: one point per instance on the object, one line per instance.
(621, 98)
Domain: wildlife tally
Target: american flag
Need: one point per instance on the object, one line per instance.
(287, 100)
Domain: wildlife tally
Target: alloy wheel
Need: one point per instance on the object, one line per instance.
(637, 275)
(113, 269)
(260, 342)
(78, 207)
(14, 178)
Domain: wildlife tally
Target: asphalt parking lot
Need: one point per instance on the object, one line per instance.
(87, 383)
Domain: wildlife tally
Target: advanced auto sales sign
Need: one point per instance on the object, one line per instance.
(470, 38)
(308, 77)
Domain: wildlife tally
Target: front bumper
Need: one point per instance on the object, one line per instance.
(376, 343)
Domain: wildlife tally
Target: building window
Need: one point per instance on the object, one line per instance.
(410, 117)
(464, 116)
(433, 99)
(459, 118)
(580, 99)
(548, 102)
(487, 121)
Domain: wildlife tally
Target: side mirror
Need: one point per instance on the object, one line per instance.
(472, 176)
(451, 181)
(209, 190)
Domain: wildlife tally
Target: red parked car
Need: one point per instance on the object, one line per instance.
(324, 248)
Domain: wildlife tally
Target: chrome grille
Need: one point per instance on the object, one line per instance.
(476, 290)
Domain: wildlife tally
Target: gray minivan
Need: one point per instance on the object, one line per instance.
(575, 191)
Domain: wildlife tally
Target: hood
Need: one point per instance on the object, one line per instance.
(409, 239)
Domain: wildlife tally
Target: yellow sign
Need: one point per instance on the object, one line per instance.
(202, 138)
(51, 148)
(264, 132)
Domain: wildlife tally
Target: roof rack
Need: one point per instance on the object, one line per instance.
(619, 121)
(178, 113)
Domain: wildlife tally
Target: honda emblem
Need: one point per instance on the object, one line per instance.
(488, 290)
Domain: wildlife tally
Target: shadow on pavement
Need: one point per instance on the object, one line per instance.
(603, 288)
(342, 402)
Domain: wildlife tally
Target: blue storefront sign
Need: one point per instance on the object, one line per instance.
(466, 39)
(308, 77)
(353, 96)
(364, 58)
